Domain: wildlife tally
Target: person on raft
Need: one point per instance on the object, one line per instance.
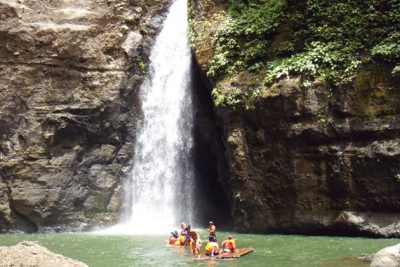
(195, 240)
(185, 237)
(229, 245)
(174, 238)
(212, 247)
(212, 230)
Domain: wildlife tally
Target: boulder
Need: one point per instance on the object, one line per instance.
(30, 254)
(387, 257)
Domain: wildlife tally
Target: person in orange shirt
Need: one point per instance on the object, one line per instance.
(229, 246)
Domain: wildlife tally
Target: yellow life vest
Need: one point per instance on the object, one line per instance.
(177, 242)
(212, 245)
(182, 240)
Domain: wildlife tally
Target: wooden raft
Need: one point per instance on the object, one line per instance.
(177, 246)
(239, 253)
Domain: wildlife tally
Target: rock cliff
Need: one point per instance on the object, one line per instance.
(303, 156)
(301, 152)
(69, 71)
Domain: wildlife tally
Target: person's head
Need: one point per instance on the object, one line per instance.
(229, 237)
(183, 225)
(210, 223)
(189, 227)
(175, 234)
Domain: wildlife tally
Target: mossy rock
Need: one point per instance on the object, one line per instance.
(376, 92)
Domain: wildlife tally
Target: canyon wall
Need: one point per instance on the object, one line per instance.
(297, 155)
(315, 158)
(69, 71)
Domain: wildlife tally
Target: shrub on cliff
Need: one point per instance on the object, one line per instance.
(329, 39)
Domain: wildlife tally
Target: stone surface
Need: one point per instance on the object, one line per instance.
(30, 254)
(320, 160)
(387, 257)
(69, 71)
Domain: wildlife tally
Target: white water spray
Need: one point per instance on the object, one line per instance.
(161, 177)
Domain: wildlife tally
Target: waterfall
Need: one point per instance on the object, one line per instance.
(162, 176)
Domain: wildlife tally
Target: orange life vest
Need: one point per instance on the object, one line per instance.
(231, 244)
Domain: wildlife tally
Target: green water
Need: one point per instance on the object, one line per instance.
(271, 250)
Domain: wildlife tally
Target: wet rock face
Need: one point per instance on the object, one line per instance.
(319, 160)
(69, 71)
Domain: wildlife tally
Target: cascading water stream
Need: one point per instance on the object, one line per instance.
(162, 176)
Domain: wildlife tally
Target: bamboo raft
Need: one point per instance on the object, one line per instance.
(177, 246)
(239, 253)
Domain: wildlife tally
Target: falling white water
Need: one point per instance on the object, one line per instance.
(161, 177)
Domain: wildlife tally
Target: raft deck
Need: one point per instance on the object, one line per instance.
(239, 253)
(177, 246)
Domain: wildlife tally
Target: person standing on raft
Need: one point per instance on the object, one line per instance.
(195, 238)
(212, 230)
(185, 237)
(229, 246)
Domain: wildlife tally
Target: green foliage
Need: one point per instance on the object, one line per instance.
(141, 65)
(143, 30)
(285, 48)
(324, 119)
(388, 49)
(242, 39)
(191, 33)
(328, 39)
(236, 97)
(319, 60)
(396, 70)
